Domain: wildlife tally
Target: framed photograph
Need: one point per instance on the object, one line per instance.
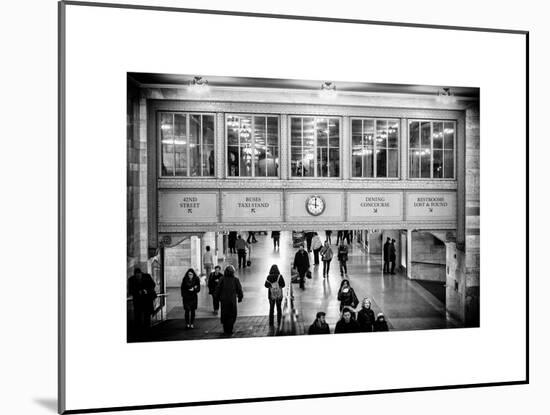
(305, 206)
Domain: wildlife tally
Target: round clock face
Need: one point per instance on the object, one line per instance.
(315, 205)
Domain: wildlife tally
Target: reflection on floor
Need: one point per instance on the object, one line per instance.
(405, 303)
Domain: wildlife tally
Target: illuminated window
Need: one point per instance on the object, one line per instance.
(315, 147)
(187, 144)
(252, 145)
(432, 149)
(375, 147)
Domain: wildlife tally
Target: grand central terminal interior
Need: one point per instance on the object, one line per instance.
(211, 159)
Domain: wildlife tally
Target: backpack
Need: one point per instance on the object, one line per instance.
(275, 291)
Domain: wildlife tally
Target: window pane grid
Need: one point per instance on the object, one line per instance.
(431, 149)
(315, 146)
(377, 152)
(183, 152)
(252, 145)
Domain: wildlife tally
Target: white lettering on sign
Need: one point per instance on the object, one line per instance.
(431, 206)
(383, 206)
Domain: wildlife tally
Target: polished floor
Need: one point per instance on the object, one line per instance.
(405, 303)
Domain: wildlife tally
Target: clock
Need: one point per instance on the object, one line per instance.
(315, 205)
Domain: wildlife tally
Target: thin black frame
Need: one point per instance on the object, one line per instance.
(61, 205)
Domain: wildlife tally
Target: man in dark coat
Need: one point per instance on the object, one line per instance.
(241, 246)
(229, 292)
(142, 289)
(387, 256)
(231, 240)
(301, 263)
(392, 256)
(365, 317)
(319, 326)
(346, 324)
(213, 281)
(276, 236)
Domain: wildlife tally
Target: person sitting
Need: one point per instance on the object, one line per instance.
(381, 324)
(346, 324)
(319, 326)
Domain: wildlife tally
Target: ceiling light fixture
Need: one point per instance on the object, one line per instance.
(445, 96)
(328, 90)
(198, 84)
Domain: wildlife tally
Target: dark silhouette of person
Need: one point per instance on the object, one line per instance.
(301, 263)
(347, 323)
(213, 281)
(275, 284)
(276, 236)
(392, 256)
(381, 324)
(387, 256)
(142, 289)
(365, 317)
(190, 286)
(229, 291)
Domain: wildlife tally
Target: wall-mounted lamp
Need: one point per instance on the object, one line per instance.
(198, 84)
(328, 90)
(445, 96)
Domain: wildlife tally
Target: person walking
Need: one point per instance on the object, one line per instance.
(301, 263)
(142, 289)
(343, 258)
(326, 256)
(241, 246)
(365, 317)
(208, 261)
(316, 246)
(276, 236)
(386, 256)
(213, 281)
(275, 284)
(309, 237)
(190, 286)
(347, 323)
(319, 326)
(231, 240)
(339, 236)
(229, 292)
(381, 324)
(346, 296)
(251, 237)
(328, 236)
(392, 257)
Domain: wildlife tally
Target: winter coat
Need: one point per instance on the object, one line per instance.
(343, 327)
(301, 261)
(326, 253)
(347, 298)
(366, 319)
(272, 279)
(142, 292)
(189, 289)
(381, 325)
(213, 281)
(316, 243)
(229, 291)
(342, 253)
(240, 244)
(387, 251)
(392, 252)
(318, 329)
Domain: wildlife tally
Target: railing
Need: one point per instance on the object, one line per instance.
(159, 307)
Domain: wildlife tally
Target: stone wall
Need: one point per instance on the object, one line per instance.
(136, 184)
(472, 245)
(428, 257)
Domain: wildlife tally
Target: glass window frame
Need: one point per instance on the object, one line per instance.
(253, 142)
(375, 177)
(431, 121)
(187, 126)
(315, 147)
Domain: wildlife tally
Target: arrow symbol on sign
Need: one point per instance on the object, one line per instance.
(375, 210)
(189, 210)
(253, 210)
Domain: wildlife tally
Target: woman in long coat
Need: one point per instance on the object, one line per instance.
(229, 292)
(190, 286)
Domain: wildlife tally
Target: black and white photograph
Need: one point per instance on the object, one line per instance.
(279, 207)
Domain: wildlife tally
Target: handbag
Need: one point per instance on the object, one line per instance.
(248, 263)
(308, 274)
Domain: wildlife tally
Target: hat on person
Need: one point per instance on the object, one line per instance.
(380, 315)
(321, 314)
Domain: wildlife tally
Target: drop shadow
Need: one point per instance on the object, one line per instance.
(48, 403)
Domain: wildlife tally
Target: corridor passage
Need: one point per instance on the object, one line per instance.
(405, 303)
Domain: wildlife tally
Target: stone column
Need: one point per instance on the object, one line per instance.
(403, 151)
(346, 148)
(409, 253)
(284, 150)
(143, 212)
(220, 146)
